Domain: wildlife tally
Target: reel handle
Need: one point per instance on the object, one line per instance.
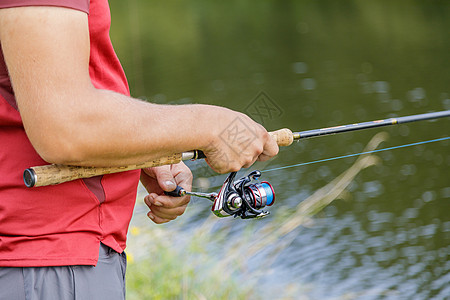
(55, 174)
(177, 192)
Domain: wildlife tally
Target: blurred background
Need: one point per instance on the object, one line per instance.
(301, 65)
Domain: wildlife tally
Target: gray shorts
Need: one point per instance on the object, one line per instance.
(104, 281)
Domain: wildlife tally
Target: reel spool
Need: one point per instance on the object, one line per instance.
(260, 195)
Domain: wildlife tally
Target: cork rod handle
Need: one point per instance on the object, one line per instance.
(55, 174)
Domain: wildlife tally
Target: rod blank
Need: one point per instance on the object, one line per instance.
(372, 124)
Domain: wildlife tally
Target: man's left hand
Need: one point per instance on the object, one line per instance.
(156, 180)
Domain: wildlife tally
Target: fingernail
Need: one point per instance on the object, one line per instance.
(151, 216)
(170, 184)
(157, 203)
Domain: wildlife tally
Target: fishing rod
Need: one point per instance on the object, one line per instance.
(55, 174)
(236, 198)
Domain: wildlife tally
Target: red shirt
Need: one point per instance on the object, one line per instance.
(61, 224)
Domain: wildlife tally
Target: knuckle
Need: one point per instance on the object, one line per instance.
(248, 160)
(234, 167)
(259, 149)
(248, 164)
(263, 158)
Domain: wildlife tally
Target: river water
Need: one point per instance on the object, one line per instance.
(312, 64)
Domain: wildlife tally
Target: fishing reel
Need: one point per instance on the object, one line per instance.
(242, 198)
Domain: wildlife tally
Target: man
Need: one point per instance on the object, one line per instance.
(64, 99)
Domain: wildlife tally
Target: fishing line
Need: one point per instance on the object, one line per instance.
(357, 154)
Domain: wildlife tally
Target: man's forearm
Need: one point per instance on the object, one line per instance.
(110, 129)
(69, 121)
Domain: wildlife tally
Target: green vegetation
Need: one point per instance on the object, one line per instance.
(166, 272)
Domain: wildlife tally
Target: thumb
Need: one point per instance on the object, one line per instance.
(165, 178)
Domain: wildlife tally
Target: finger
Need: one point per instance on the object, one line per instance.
(170, 202)
(183, 175)
(157, 219)
(149, 200)
(150, 183)
(165, 178)
(169, 214)
(271, 148)
(264, 157)
(149, 172)
(153, 200)
(248, 165)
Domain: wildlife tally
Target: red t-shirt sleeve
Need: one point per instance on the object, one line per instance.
(82, 5)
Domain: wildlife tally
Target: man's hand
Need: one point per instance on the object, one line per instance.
(237, 141)
(165, 178)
